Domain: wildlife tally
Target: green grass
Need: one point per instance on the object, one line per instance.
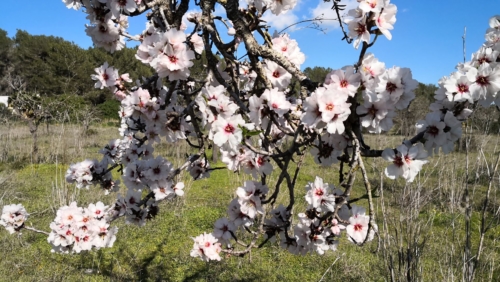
(160, 250)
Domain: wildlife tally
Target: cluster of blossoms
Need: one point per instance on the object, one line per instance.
(368, 93)
(168, 53)
(77, 229)
(477, 80)
(92, 172)
(13, 217)
(318, 230)
(369, 13)
(242, 213)
(107, 19)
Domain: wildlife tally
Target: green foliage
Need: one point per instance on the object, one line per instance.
(52, 66)
(426, 91)
(317, 74)
(6, 45)
(109, 109)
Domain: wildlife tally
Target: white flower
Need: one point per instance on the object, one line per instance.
(13, 217)
(75, 4)
(227, 131)
(357, 229)
(318, 195)
(345, 80)
(288, 48)
(457, 88)
(277, 75)
(276, 101)
(358, 31)
(106, 76)
(206, 247)
(406, 161)
(386, 19)
(118, 6)
(280, 7)
(434, 130)
(223, 228)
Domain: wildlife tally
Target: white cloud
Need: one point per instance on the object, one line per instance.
(281, 21)
(324, 10)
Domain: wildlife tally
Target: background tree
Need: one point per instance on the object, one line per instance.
(6, 48)
(317, 74)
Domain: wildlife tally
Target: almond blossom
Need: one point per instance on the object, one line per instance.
(13, 217)
(406, 160)
(227, 132)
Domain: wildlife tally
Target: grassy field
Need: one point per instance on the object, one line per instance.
(422, 229)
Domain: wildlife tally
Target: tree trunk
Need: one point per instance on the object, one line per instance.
(33, 130)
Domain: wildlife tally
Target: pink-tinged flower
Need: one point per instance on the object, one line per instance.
(197, 42)
(458, 88)
(371, 5)
(333, 107)
(396, 86)
(336, 228)
(106, 236)
(370, 69)
(276, 101)
(162, 189)
(213, 93)
(179, 189)
(494, 22)
(357, 230)
(235, 215)
(386, 19)
(206, 247)
(318, 195)
(247, 191)
(13, 217)
(434, 130)
(288, 48)
(277, 75)
(312, 115)
(376, 116)
(485, 55)
(344, 80)
(224, 107)
(223, 229)
(358, 30)
(118, 6)
(487, 82)
(406, 161)
(106, 76)
(106, 34)
(97, 210)
(173, 62)
(232, 159)
(69, 215)
(227, 132)
(251, 206)
(280, 7)
(157, 169)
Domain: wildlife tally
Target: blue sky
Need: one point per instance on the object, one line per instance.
(427, 36)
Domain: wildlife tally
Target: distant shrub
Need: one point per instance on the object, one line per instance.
(109, 109)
